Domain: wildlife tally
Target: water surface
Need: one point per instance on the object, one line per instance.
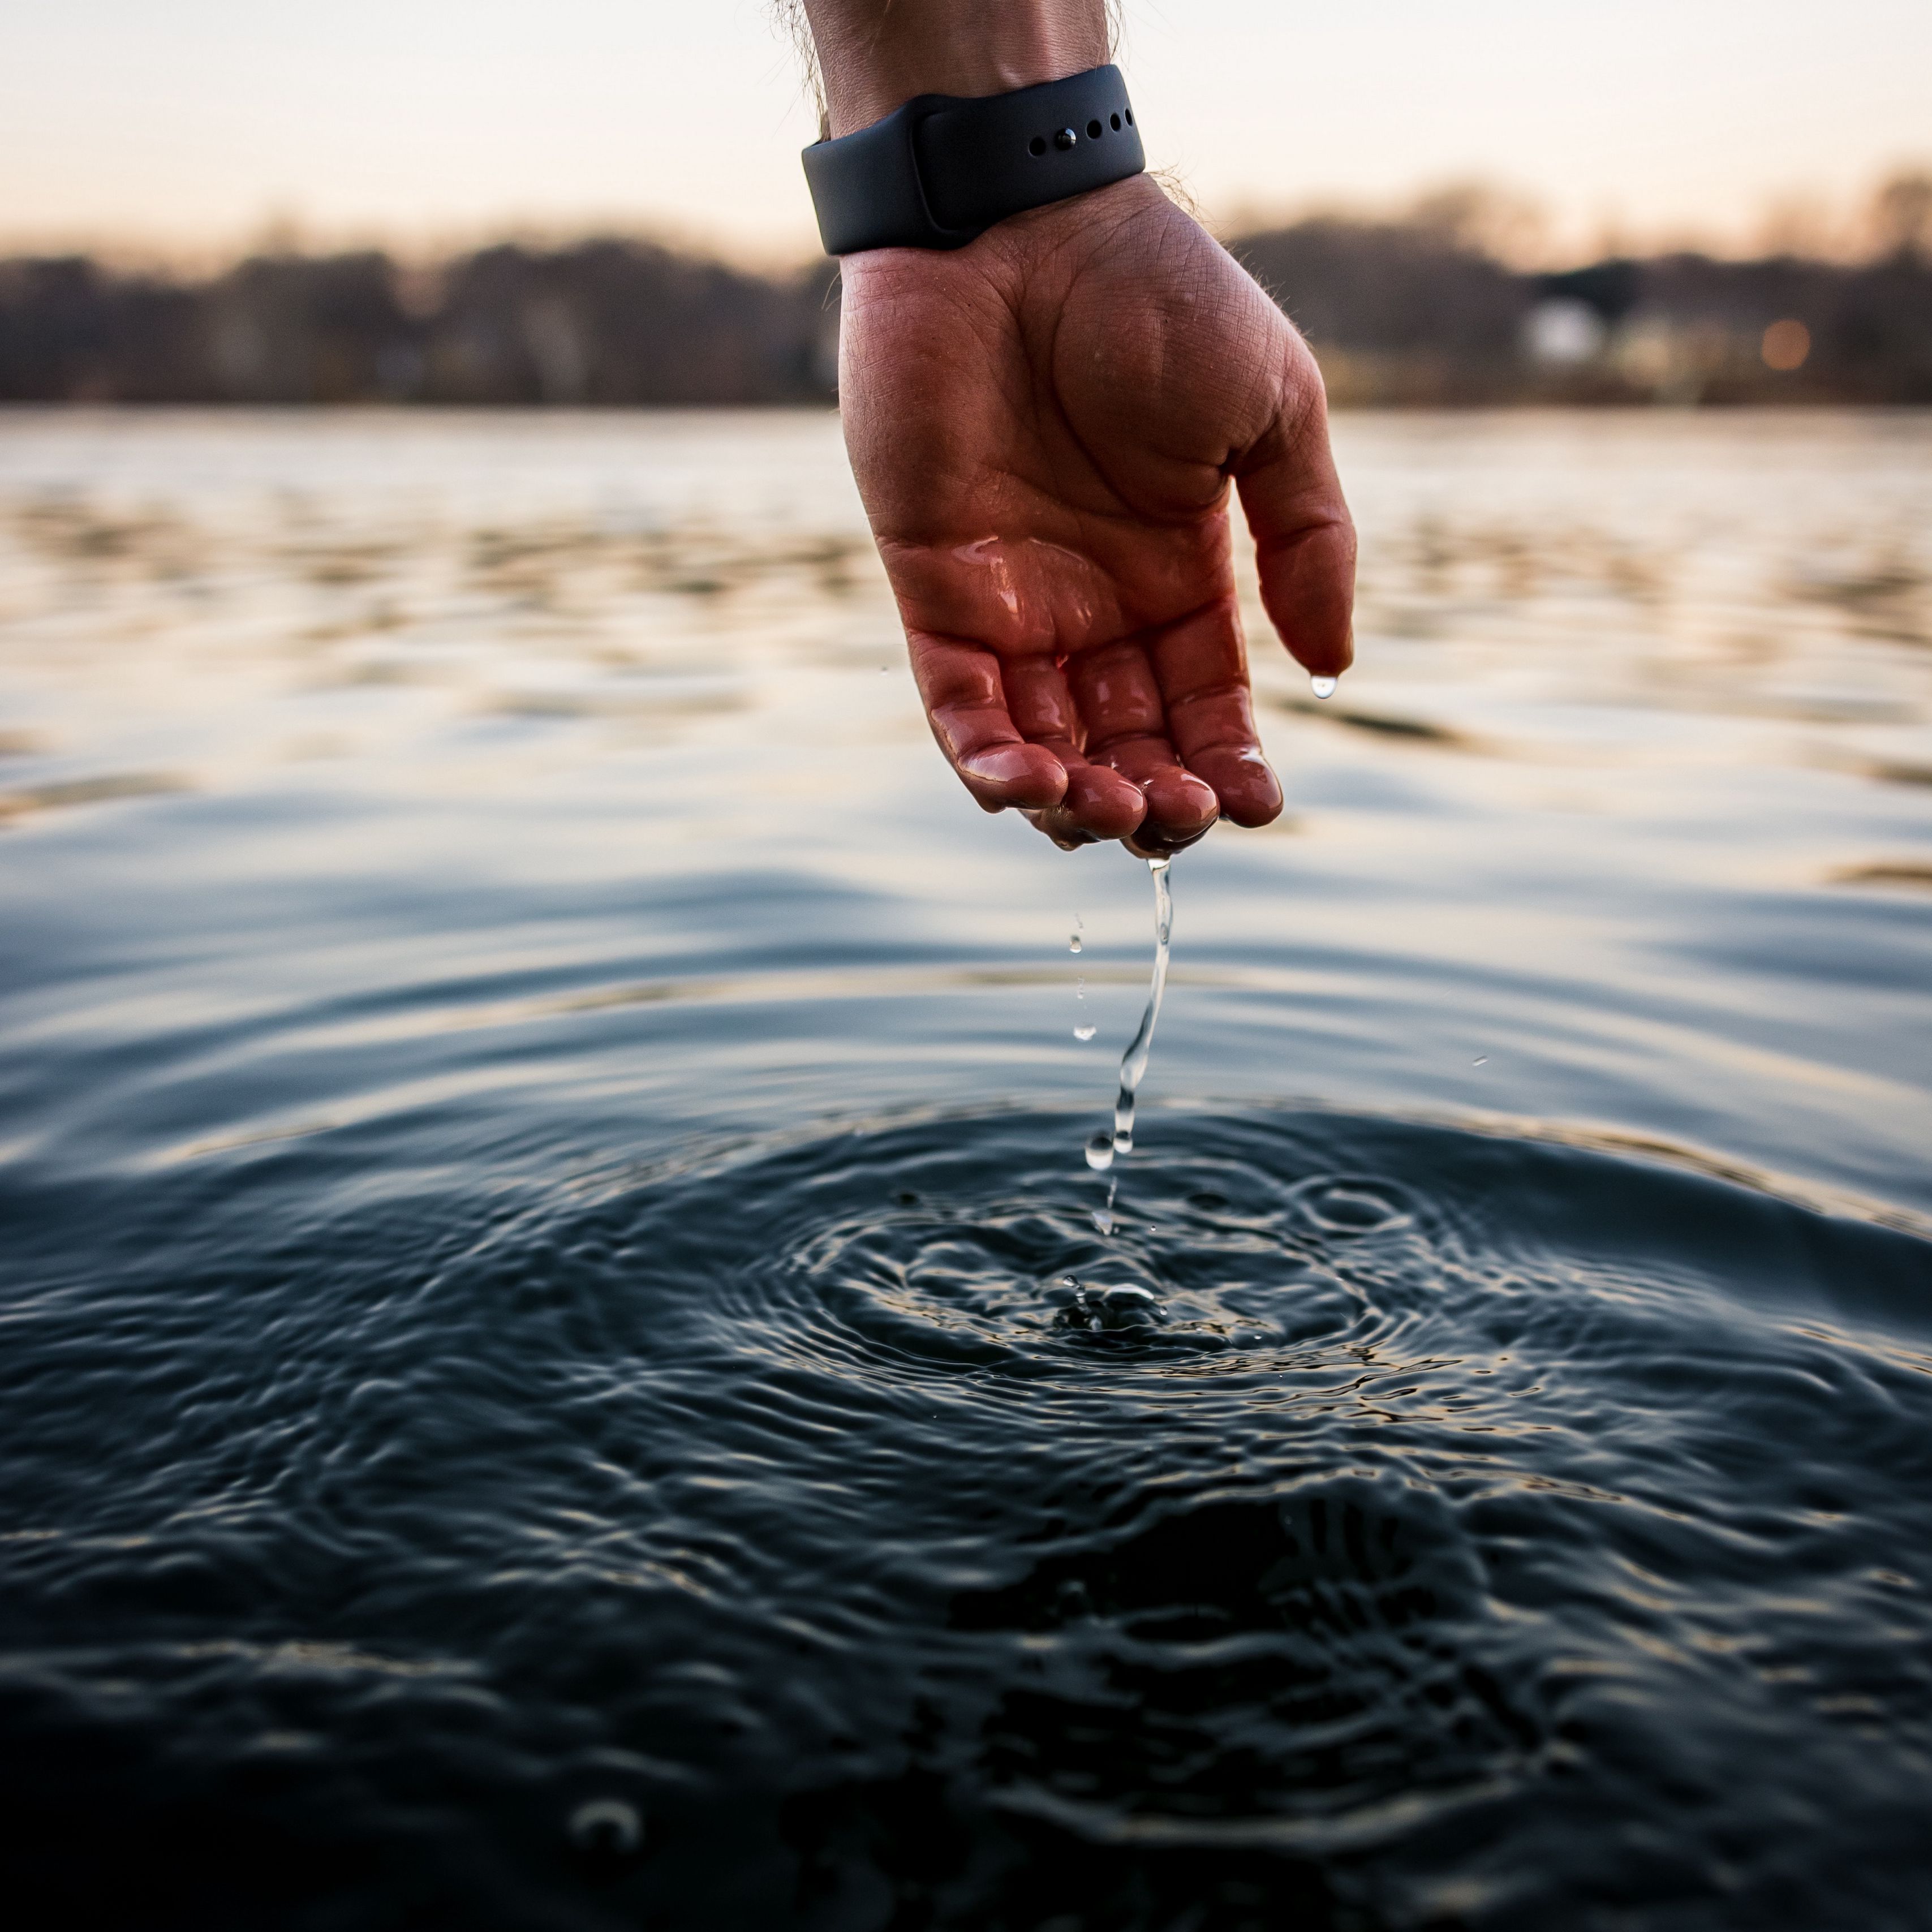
(561, 1368)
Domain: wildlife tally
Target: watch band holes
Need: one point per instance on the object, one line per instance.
(1094, 131)
(1115, 120)
(1037, 145)
(1130, 117)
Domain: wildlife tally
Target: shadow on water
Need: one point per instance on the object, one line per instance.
(1387, 1524)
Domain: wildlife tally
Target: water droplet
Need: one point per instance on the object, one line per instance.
(1481, 1060)
(1322, 687)
(1125, 1308)
(605, 1827)
(1085, 1032)
(1103, 1221)
(1100, 1156)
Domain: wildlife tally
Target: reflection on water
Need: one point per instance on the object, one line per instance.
(561, 1365)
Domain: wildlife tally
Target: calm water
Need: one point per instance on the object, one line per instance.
(560, 1369)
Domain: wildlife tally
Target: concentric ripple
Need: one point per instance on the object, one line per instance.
(1384, 1524)
(984, 1253)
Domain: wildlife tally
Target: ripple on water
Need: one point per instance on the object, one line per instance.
(1385, 1524)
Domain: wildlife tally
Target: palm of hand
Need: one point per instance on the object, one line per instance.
(1044, 426)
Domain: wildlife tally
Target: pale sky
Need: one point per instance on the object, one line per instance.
(190, 124)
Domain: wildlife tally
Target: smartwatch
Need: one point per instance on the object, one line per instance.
(939, 171)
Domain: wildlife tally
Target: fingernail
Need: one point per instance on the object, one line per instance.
(1002, 764)
(1258, 768)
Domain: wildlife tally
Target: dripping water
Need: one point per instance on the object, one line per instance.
(1103, 1217)
(1103, 1148)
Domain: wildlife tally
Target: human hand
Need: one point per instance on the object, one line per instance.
(1046, 426)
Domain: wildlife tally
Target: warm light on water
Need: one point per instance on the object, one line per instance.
(564, 1365)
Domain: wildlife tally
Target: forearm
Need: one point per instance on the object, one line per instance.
(875, 54)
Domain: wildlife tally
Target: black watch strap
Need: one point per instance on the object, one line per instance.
(943, 168)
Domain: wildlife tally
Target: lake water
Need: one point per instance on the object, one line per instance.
(560, 1369)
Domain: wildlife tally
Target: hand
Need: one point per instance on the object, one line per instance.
(1045, 426)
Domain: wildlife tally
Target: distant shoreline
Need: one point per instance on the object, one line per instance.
(1400, 314)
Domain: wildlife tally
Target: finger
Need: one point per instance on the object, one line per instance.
(965, 702)
(1114, 691)
(1144, 844)
(1180, 806)
(1097, 800)
(1061, 829)
(1304, 541)
(1201, 668)
(1125, 729)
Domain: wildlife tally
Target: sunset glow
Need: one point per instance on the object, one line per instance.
(199, 126)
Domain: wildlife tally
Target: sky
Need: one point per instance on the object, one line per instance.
(193, 128)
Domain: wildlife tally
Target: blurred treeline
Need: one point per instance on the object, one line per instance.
(605, 322)
(1421, 309)
(1424, 310)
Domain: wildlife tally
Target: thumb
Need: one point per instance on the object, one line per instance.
(1304, 541)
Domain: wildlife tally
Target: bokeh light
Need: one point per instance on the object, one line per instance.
(1787, 344)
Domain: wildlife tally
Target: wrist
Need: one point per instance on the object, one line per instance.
(874, 55)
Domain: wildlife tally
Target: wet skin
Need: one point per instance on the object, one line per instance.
(1047, 426)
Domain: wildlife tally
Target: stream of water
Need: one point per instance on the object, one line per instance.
(1104, 1145)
